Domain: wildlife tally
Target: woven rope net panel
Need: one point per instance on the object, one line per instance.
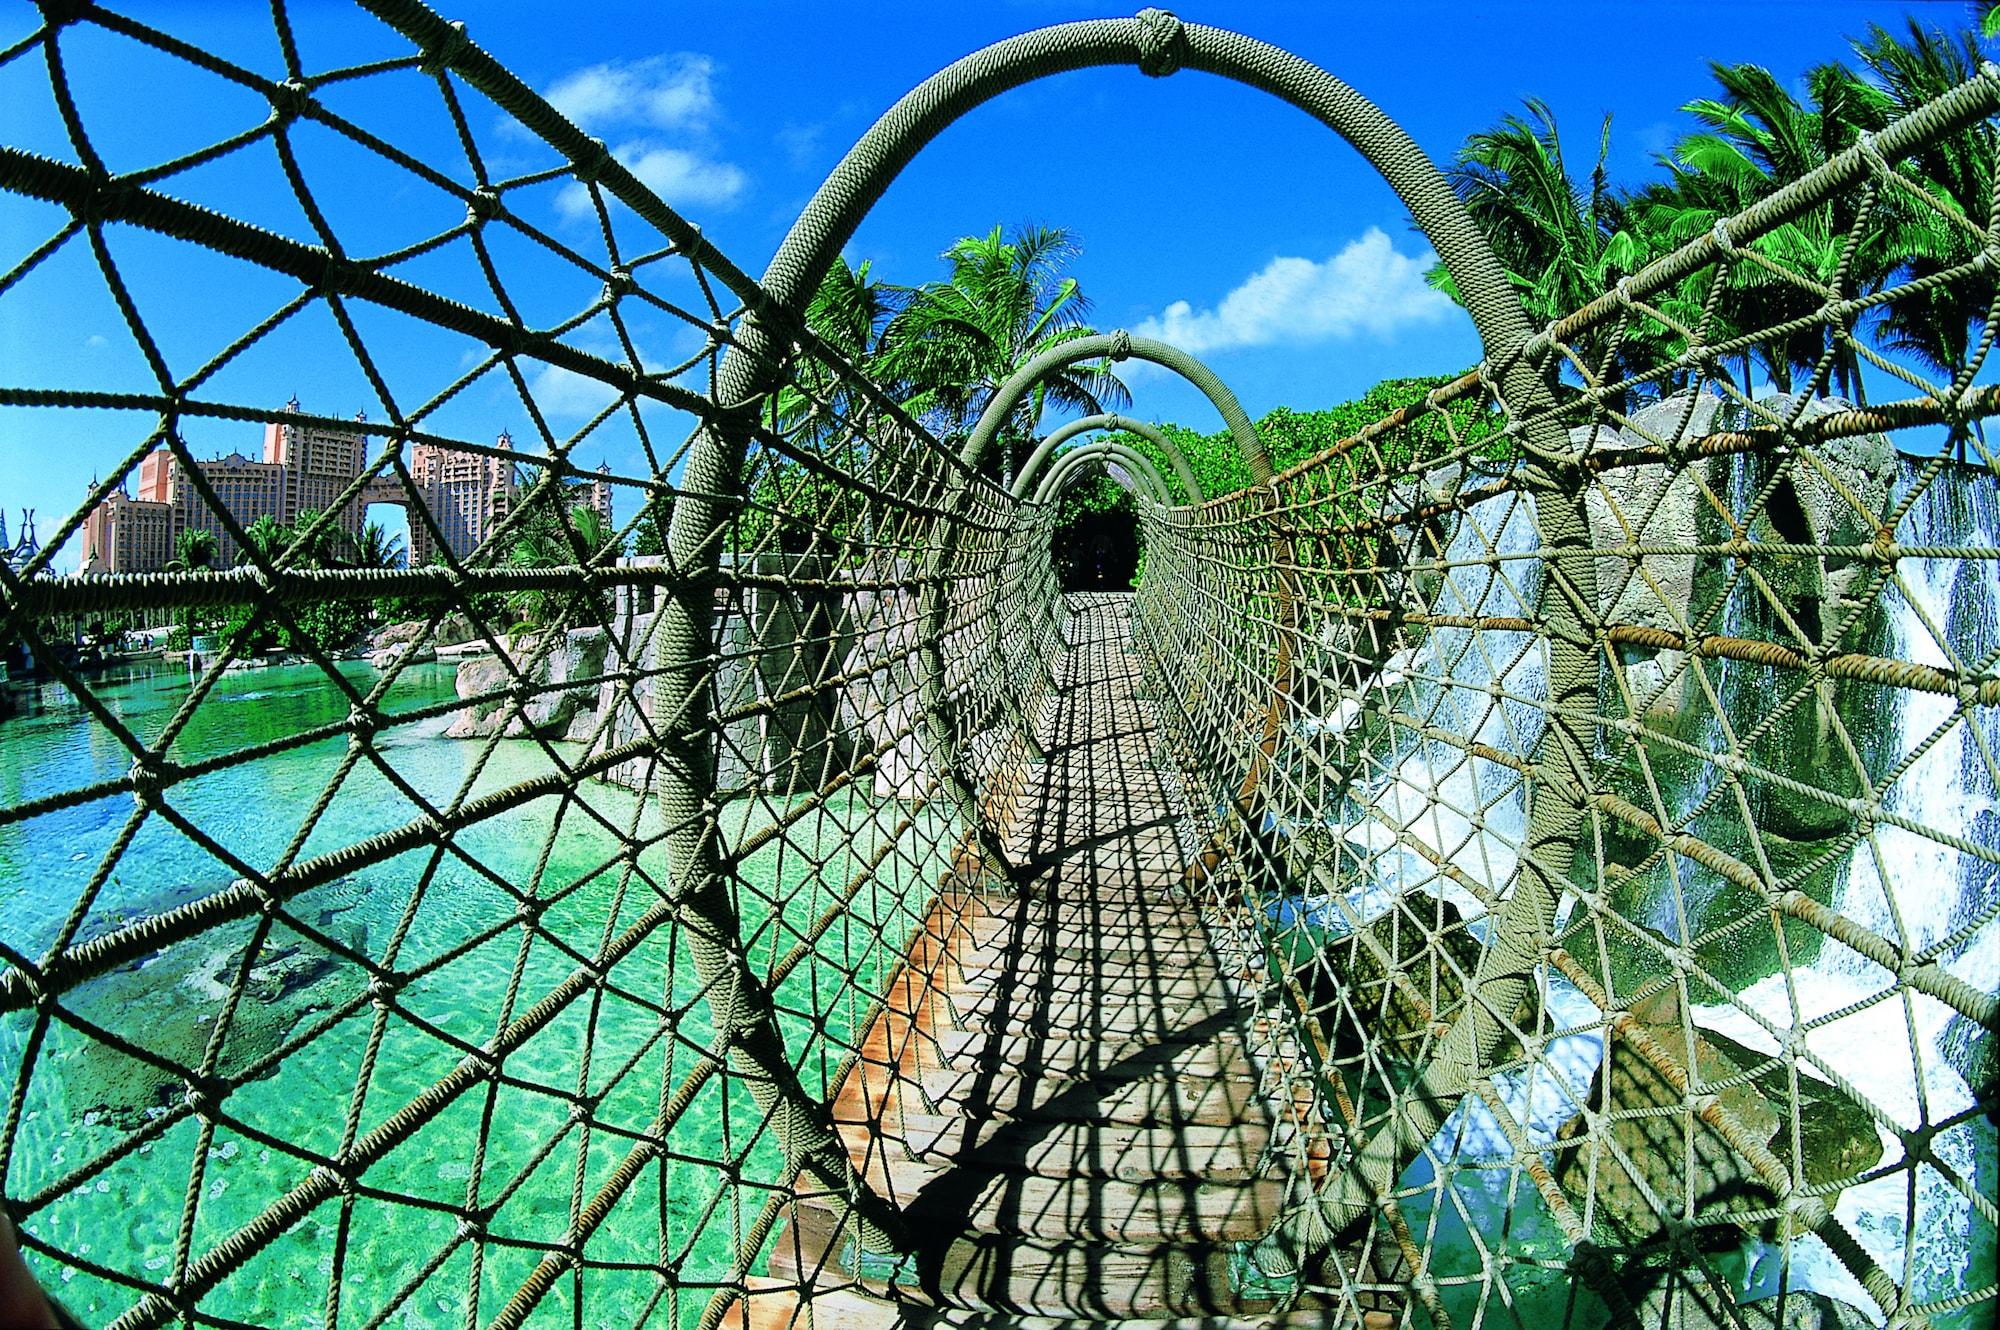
(1609, 831)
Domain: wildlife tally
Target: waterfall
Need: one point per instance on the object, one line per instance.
(1917, 892)
(1908, 1055)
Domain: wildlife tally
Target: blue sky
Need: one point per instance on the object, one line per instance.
(1208, 213)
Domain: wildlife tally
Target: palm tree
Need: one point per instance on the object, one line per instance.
(550, 537)
(1756, 138)
(378, 548)
(194, 551)
(263, 539)
(1008, 299)
(1956, 174)
(1562, 242)
(823, 407)
(330, 546)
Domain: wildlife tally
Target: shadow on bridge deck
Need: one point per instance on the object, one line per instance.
(1062, 1096)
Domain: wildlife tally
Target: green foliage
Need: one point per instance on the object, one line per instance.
(1008, 299)
(1562, 240)
(486, 606)
(558, 529)
(194, 551)
(649, 533)
(1292, 436)
(1565, 239)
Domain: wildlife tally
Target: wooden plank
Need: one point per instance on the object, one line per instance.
(776, 1304)
(1142, 1101)
(1059, 1092)
(1067, 1149)
(1221, 1055)
(1060, 1277)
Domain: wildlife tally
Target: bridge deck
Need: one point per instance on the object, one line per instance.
(1061, 1097)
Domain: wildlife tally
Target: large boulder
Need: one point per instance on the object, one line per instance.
(549, 707)
(403, 653)
(396, 635)
(1650, 505)
(1649, 1139)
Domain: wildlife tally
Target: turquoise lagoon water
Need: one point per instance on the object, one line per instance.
(121, 1209)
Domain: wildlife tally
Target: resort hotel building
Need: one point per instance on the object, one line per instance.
(307, 467)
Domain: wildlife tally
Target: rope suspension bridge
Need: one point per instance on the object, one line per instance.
(1522, 865)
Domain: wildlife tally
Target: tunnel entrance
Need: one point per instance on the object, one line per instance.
(1098, 551)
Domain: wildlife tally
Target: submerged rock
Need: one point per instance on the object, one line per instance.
(1434, 953)
(168, 1004)
(1655, 1131)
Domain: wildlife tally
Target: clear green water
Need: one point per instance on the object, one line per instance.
(84, 1100)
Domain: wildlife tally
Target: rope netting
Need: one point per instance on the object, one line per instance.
(1595, 764)
(1614, 820)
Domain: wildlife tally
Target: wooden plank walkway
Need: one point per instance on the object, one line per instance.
(1061, 1095)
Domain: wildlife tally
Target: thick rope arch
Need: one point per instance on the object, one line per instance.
(1146, 478)
(1114, 346)
(829, 221)
(1190, 487)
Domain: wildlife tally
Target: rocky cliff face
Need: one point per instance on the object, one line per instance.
(537, 689)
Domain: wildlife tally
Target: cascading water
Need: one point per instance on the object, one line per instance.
(1915, 1055)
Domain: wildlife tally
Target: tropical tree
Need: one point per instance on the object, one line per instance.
(377, 547)
(1937, 219)
(1563, 241)
(558, 530)
(827, 406)
(1008, 299)
(849, 314)
(1755, 139)
(315, 543)
(194, 551)
(263, 539)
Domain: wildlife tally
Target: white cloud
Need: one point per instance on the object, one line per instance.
(1366, 288)
(97, 341)
(684, 179)
(569, 397)
(672, 92)
(663, 107)
(565, 395)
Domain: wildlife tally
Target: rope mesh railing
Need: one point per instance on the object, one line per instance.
(443, 1032)
(1608, 829)
(1740, 1065)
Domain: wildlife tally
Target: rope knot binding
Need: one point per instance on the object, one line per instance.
(290, 100)
(483, 205)
(1162, 42)
(446, 50)
(148, 778)
(1871, 151)
(61, 13)
(1121, 345)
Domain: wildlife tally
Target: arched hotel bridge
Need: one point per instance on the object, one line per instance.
(1530, 863)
